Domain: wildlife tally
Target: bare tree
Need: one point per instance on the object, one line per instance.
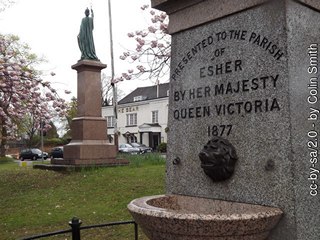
(107, 91)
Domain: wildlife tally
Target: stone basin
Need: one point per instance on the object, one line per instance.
(177, 217)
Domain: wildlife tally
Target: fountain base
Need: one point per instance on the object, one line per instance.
(166, 217)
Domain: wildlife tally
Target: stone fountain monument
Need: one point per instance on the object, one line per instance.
(242, 159)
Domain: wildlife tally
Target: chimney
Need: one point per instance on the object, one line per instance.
(157, 82)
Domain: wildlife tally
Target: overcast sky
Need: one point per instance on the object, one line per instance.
(50, 27)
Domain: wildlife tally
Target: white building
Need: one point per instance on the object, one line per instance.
(142, 116)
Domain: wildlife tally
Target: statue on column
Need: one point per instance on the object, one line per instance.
(85, 37)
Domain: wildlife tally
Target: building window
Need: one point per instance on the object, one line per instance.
(132, 119)
(132, 139)
(110, 121)
(155, 117)
(139, 98)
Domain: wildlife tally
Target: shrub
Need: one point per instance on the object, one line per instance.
(162, 147)
(55, 141)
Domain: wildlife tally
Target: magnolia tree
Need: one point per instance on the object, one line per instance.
(151, 57)
(24, 96)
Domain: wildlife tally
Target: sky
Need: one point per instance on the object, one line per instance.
(50, 28)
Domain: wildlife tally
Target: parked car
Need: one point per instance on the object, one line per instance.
(32, 154)
(127, 148)
(143, 148)
(56, 152)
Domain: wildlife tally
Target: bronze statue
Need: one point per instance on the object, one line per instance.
(218, 158)
(85, 37)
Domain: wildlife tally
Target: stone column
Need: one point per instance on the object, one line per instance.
(248, 71)
(89, 145)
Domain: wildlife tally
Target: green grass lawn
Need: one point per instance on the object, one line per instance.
(37, 201)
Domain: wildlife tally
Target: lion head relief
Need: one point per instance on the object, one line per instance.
(218, 158)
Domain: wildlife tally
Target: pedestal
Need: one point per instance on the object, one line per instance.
(89, 145)
(248, 71)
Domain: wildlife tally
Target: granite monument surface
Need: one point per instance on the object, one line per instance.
(247, 71)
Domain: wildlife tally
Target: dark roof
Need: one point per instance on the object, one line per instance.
(147, 93)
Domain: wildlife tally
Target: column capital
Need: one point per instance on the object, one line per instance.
(89, 65)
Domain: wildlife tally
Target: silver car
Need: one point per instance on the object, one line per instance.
(143, 148)
(127, 148)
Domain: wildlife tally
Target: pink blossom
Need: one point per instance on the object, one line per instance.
(15, 78)
(115, 80)
(17, 67)
(134, 57)
(152, 29)
(12, 73)
(54, 104)
(48, 94)
(53, 90)
(139, 48)
(119, 79)
(126, 76)
(154, 44)
(130, 35)
(26, 74)
(46, 84)
(163, 27)
(141, 68)
(143, 7)
(140, 41)
(163, 15)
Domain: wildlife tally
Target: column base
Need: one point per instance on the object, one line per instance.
(88, 152)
